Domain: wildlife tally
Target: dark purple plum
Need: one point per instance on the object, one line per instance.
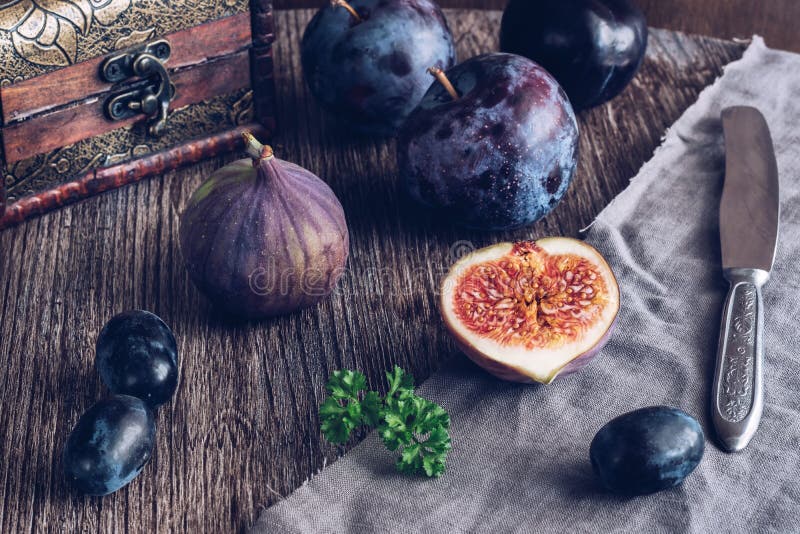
(137, 355)
(501, 155)
(592, 47)
(647, 450)
(110, 445)
(370, 73)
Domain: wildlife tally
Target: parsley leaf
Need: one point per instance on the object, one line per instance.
(423, 436)
(346, 384)
(399, 381)
(335, 421)
(412, 425)
(371, 408)
(343, 412)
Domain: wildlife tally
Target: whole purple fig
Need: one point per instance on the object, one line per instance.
(264, 237)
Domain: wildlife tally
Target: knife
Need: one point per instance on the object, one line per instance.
(748, 222)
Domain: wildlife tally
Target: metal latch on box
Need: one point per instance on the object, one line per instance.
(149, 96)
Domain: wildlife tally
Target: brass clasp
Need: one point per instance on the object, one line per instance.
(150, 95)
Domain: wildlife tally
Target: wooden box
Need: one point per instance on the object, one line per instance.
(95, 94)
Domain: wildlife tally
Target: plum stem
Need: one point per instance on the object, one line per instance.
(348, 7)
(441, 77)
(256, 150)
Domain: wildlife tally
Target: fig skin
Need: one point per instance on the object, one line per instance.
(502, 369)
(509, 373)
(264, 237)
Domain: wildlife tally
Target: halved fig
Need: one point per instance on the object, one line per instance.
(531, 311)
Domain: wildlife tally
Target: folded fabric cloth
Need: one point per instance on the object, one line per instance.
(520, 458)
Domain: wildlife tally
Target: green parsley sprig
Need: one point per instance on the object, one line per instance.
(412, 425)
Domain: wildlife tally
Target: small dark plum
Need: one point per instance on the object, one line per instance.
(110, 445)
(137, 355)
(592, 47)
(492, 145)
(647, 450)
(365, 61)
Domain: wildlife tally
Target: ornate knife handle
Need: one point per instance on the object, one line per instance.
(737, 393)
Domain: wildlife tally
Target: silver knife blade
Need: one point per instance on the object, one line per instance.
(749, 208)
(749, 213)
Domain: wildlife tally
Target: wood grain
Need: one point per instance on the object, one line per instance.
(23, 140)
(775, 20)
(242, 430)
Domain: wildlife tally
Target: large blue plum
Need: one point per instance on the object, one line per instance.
(499, 156)
(592, 47)
(137, 355)
(372, 72)
(647, 450)
(110, 445)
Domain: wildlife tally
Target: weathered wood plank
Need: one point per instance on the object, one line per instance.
(242, 429)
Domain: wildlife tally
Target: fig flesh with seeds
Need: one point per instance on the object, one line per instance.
(531, 311)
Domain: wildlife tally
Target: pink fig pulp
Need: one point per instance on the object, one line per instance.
(531, 311)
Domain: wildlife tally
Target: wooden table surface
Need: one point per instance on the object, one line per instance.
(242, 430)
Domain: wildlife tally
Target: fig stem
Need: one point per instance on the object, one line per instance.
(441, 77)
(348, 7)
(256, 150)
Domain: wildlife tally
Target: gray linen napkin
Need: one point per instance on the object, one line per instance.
(520, 453)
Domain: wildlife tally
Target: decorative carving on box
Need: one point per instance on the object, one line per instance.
(38, 36)
(222, 73)
(197, 120)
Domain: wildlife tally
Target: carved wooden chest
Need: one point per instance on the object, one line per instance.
(95, 94)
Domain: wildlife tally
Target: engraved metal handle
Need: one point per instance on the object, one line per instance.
(737, 393)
